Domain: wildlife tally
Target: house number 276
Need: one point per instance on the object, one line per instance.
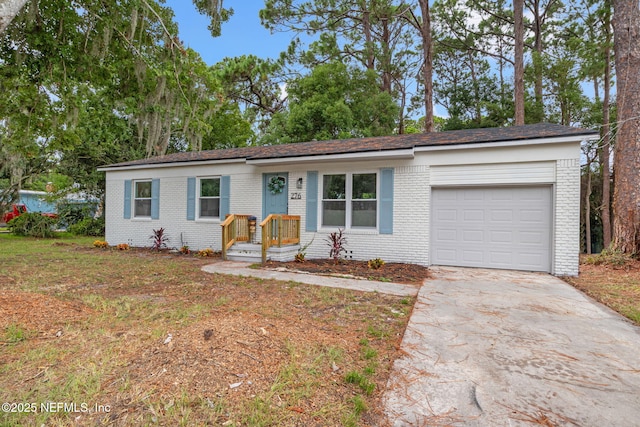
(296, 196)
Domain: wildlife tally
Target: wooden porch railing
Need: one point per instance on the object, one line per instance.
(235, 228)
(278, 230)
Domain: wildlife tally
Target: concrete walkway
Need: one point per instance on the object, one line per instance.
(499, 348)
(242, 269)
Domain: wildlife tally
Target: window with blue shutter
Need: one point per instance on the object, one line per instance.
(191, 199)
(127, 199)
(386, 201)
(155, 198)
(312, 201)
(225, 190)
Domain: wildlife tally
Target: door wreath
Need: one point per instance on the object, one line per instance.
(276, 184)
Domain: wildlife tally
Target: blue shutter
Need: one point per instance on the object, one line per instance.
(386, 201)
(191, 199)
(155, 198)
(225, 190)
(127, 199)
(312, 201)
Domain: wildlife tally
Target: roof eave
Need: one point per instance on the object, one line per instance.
(361, 155)
(512, 143)
(175, 164)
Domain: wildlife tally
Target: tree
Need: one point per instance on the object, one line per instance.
(213, 8)
(81, 80)
(466, 88)
(333, 102)
(229, 128)
(256, 84)
(626, 197)
(423, 25)
(542, 14)
(589, 31)
(8, 10)
(518, 14)
(366, 35)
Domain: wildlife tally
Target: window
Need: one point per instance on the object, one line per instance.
(209, 198)
(364, 204)
(333, 200)
(350, 200)
(142, 199)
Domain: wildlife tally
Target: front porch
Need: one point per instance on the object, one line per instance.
(279, 238)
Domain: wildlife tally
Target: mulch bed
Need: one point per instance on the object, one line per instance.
(389, 272)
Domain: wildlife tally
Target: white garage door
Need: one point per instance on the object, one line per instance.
(492, 227)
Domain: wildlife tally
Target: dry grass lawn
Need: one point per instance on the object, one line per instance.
(128, 338)
(125, 338)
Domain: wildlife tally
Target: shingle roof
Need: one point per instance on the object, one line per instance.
(362, 145)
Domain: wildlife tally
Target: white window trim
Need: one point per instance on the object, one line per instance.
(198, 198)
(134, 199)
(348, 202)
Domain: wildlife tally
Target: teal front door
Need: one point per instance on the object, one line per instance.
(275, 190)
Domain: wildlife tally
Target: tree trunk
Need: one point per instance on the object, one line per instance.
(626, 197)
(8, 10)
(427, 70)
(605, 153)
(518, 11)
(587, 212)
(476, 88)
(386, 56)
(368, 42)
(605, 150)
(537, 62)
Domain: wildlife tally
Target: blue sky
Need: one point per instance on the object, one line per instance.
(241, 35)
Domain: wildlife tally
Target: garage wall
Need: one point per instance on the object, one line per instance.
(563, 174)
(494, 173)
(567, 218)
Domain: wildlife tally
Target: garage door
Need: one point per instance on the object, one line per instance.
(492, 227)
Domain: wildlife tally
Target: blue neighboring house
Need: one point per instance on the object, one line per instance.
(35, 201)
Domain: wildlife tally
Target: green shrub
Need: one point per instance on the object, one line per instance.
(609, 257)
(70, 213)
(32, 224)
(88, 227)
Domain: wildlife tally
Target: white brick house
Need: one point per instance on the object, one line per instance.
(497, 198)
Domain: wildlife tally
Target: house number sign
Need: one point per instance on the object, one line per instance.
(296, 196)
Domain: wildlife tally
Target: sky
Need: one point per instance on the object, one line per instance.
(241, 35)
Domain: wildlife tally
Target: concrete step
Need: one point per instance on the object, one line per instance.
(245, 252)
(252, 252)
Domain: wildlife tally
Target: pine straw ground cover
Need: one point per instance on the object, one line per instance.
(613, 280)
(127, 338)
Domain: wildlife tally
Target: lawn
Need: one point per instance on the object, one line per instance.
(92, 336)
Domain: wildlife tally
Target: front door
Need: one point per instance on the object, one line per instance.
(275, 188)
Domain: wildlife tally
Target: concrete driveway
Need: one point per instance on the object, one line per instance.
(499, 348)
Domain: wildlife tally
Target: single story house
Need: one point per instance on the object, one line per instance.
(506, 198)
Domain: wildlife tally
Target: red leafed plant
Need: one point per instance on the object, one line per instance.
(337, 242)
(159, 239)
